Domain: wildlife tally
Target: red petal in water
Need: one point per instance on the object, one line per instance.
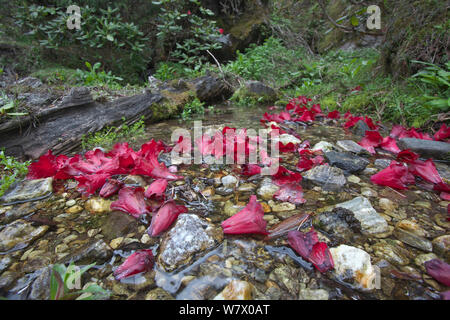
(446, 197)
(291, 192)
(443, 133)
(439, 270)
(156, 189)
(396, 175)
(165, 216)
(305, 163)
(89, 184)
(250, 169)
(371, 140)
(334, 115)
(131, 201)
(407, 156)
(248, 220)
(321, 258)
(110, 188)
(290, 147)
(302, 243)
(426, 170)
(284, 176)
(445, 295)
(140, 261)
(389, 144)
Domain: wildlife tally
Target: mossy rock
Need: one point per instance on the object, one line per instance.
(255, 92)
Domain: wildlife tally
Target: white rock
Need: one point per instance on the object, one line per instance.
(371, 221)
(229, 181)
(323, 145)
(353, 262)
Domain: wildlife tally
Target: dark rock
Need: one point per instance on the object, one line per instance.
(118, 224)
(327, 177)
(348, 162)
(256, 90)
(351, 146)
(77, 97)
(426, 148)
(211, 89)
(30, 82)
(339, 222)
(360, 128)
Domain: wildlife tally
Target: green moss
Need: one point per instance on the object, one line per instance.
(56, 75)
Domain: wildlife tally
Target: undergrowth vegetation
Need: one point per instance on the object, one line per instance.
(11, 171)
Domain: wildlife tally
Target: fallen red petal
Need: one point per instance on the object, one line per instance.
(439, 270)
(165, 216)
(138, 262)
(131, 201)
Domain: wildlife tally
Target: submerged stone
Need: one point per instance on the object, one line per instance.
(413, 239)
(327, 177)
(353, 265)
(351, 146)
(190, 235)
(19, 235)
(322, 145)
(267, 189)
(236, 290)
(371, 221)
(28, 190)
(348, 162)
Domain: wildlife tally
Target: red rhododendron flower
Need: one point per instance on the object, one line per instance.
(131, 201)
(284, 176)
(407, 156)
(307, 245)
(45, 167)
(110, 188)
(165, 216)
(357, 88)
(348, 115)
(305, 163)
(140, 261)
(396, 175)
(321, 257)
(248, 220)
(302, 243)
(290, 147)
(189, 12)
(371, 140)
(439, 270)
(221, 31)
(89, 184)
(334, 115)
(389, 144)
(156, 189)
(291, 192)
(443, 133)
(317, 110)
(426, 170)
(250, 169)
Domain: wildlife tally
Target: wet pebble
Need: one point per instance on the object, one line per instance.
(98, 205)
(236, 290)
(19, 234)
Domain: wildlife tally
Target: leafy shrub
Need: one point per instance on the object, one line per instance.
(95, 77)
(107, 137)
(191, 108)
(11, 171)
(185, 30)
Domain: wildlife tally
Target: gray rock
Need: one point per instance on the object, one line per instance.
(210, 89)
(426, 148)
(413, 240)
(30, 82)
(351, 146)
(327, 177)
(40, 289)
(257, 89)
(325, 146)
(28, 190)
(348, 162)
(4, 263)
(97, 252)
(190, 235)
(360, 128)
(310, 294)
(382, 163)
(17, 212)
(371, 221)
(19, 235)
